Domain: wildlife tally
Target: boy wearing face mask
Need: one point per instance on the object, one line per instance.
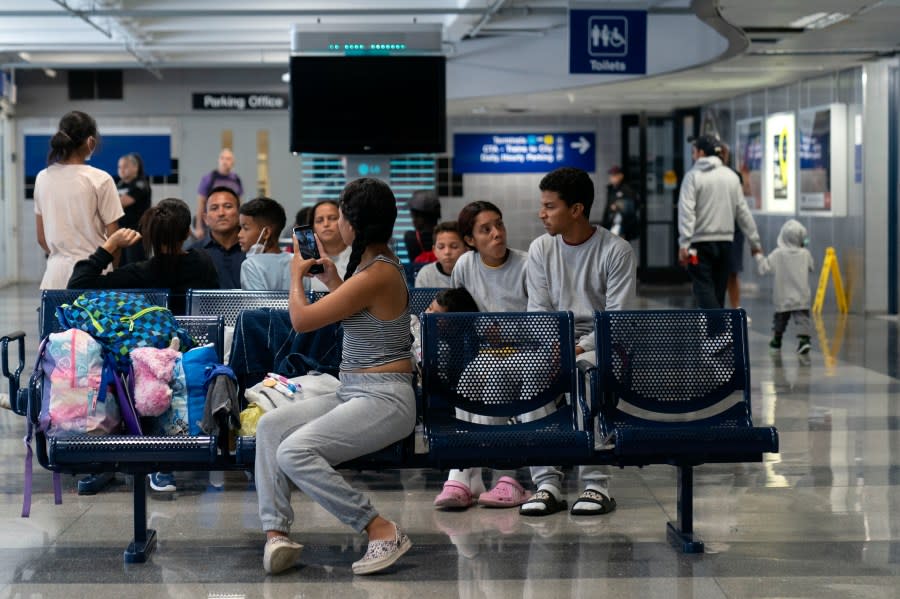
(266, 266)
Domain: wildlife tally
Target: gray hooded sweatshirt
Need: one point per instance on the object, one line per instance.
(791, 264)
(710, 202)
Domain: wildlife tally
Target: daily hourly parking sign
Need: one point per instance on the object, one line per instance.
(608, 42)
(522, 152)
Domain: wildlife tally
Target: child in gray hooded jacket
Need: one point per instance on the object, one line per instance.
(791, 264)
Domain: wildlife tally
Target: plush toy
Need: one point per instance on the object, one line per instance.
(153, 371)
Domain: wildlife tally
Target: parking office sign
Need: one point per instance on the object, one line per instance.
(608, 42)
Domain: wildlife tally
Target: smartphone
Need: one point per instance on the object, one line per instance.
(308, 247)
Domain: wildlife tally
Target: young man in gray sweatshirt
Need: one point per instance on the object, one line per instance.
(709, 203)
(579, 267)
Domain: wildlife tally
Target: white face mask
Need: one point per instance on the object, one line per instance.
(259, 247)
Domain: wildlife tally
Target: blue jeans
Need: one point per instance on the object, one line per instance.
(298, 446)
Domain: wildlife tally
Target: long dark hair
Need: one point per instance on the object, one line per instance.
(466, 219)
(370, 207)
(74, 129)
(164, 228)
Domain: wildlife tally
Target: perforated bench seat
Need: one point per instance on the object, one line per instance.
(713, 443)
(127, 449)
(458, 444)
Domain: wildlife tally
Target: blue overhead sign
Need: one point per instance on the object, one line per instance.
(608, 42)
(522, 152)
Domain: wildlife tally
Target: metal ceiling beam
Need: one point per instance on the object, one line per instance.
(127, 43)
(170, 13)
(489, 13)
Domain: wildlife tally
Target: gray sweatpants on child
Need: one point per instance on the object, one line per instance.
(801, 321)
(298, 445)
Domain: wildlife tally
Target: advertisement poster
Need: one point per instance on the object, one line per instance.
(814, 152)
(780, 163)
(821, 152)
(748, 160)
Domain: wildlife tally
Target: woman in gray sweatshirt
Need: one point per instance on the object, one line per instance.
(494, 275)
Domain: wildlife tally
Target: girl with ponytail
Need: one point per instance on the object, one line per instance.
(298, 445)
(164, 229)
(76, 206)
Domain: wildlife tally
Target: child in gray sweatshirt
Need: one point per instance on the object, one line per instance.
(791, 264)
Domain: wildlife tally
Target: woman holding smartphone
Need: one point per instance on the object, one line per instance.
(299, 445)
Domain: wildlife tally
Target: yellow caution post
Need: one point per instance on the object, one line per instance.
(830, 266)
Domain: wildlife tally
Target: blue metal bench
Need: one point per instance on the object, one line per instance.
(51, 299)
(515, 369)
(228, 303)
(670, 387)
(673, 387)
(128, 454)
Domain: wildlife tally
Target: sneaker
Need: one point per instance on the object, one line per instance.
(162, 481)
(775, 343)
(280, 554)
(382, 554)
(803, 346)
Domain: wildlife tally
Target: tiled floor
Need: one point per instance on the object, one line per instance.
(820, 519)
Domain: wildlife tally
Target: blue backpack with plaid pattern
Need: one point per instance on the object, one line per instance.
(122, 321)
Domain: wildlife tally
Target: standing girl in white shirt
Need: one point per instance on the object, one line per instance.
(76, 206)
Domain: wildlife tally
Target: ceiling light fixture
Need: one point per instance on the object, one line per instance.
(819, 20)
(25, 56)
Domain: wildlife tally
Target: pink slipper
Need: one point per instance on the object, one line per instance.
(506, 493)
(454, 495)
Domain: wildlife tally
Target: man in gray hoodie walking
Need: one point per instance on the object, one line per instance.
(709, 204)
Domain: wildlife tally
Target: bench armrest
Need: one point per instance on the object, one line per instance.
(584, 395)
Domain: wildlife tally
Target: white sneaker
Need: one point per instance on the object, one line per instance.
(280, 554)
(382, 554)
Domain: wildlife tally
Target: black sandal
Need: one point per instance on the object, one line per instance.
(607, 504)
(548, 500)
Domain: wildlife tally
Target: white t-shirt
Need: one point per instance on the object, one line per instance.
(340, 263)
(76, 202)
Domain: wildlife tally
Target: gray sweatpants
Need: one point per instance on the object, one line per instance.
(297, 446)
(590, 475)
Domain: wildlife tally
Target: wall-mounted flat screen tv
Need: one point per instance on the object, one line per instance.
(368, 104)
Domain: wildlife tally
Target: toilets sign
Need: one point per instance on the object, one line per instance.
(608, 42)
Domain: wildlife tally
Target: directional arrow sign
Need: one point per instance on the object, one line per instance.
(582, 145)
(536, 152)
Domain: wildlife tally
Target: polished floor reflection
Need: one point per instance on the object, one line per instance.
(820, 519)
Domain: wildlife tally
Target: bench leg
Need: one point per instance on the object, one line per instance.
(144, 539)
(681, 532)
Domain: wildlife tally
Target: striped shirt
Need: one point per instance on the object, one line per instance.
(369, 341)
